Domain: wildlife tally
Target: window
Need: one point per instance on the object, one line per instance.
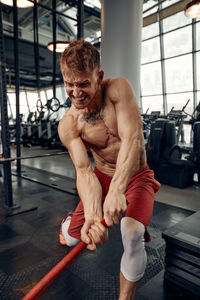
(49, 93)
(31, 97)
(151, 82)
(148, 5)
(177, 101)
(150, 50)
(32, 100)
(198, 70)
(198, 35)
(11, 105)
(23, 103)
(93, 3)
(43, 97)
(179, 75)
(167, 3)
(178, 42)
(153, 103)
(198, 97)
(175, 21)
(187, 129)
(150, 31)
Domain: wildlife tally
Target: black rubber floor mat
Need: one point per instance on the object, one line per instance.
(56, 181)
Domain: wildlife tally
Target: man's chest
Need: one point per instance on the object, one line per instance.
(97, 129)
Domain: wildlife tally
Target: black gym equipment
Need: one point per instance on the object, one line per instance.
(51, 139)
(30, 136)
(17, 78)
(195, 116)
(164, 156)
(147, 120)
(48, 135)
(182, 260)
(194, 154)
(178, 117)
(52, 104)
(162, 145)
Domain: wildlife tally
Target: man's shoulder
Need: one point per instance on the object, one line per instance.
(69, 119)
(115, 81)
(113, 87)
(68, 127)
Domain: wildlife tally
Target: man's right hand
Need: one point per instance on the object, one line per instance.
(94, 233)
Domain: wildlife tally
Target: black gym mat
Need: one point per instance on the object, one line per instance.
(56, 181)
(29, 248)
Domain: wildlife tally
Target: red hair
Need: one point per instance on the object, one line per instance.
(80, 56)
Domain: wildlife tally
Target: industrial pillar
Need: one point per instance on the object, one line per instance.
(17, 84)
(54, 47)
(7, 182)
(80, 19)
(121, 35)
(11, 209)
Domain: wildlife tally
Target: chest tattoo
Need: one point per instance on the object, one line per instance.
(91, 118)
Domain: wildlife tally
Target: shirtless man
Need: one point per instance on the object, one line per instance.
(105, 119)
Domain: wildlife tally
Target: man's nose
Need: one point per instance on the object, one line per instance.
(77, 92)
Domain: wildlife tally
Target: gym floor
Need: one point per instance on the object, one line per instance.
(29, 245)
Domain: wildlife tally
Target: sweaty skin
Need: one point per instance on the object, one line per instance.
(104, 119)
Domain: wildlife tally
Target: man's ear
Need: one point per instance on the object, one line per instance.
(100, 76)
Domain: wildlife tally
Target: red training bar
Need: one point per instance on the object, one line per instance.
(55, 271)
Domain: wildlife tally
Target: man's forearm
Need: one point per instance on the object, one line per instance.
(90, 192)
(128, 163)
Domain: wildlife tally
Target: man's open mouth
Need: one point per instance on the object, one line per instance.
(80, 100)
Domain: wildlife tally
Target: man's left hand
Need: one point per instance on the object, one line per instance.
(114, 208)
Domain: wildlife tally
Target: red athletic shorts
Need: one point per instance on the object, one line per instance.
(140, 195)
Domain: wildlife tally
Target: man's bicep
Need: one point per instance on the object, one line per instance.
(127, 113)
(69, 136)
(78, 153)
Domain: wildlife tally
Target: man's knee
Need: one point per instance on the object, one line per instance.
(134, 258)
(132, 232)
(70, 241)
